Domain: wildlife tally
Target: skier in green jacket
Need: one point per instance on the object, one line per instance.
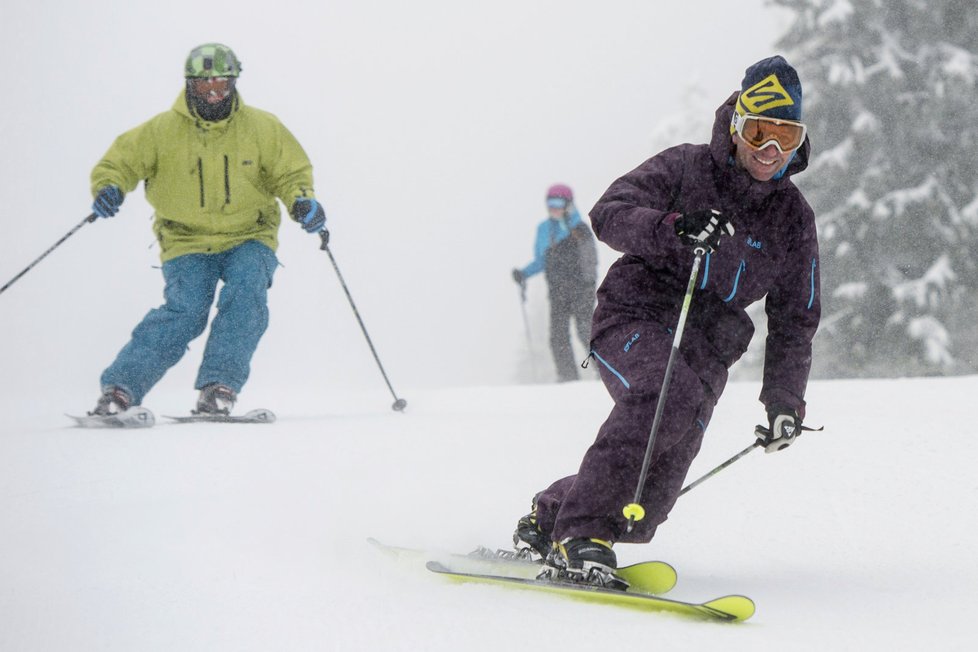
(212, 169)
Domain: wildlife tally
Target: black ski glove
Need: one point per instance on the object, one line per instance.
(309, 213)
(518, 277)
(784, 427)
(703, 228)
(107, 201)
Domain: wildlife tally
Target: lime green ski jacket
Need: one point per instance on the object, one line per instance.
(212, 184)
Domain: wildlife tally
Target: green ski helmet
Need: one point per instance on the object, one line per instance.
(212, 60)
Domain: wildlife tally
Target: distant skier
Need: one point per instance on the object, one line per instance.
(565, 251)
(212, 169)
(686, 197)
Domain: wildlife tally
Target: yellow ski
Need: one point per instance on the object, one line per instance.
(731, 608)
(654, 577)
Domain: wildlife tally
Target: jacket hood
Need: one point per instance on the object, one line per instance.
(721, 148)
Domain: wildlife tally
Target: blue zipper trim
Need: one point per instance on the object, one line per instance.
(706, 271)
(611, 369)
(702, 425)
(740, 271)
(811, 298)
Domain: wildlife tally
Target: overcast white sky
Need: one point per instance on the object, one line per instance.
(434, 127)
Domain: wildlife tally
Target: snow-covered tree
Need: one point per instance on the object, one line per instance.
(891, 100)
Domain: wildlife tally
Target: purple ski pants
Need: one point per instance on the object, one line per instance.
(632, 359)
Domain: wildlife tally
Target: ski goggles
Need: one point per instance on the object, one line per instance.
(758, 130)
(556, 202)
(214, 87)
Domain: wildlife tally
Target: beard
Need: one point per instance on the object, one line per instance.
(210, 112)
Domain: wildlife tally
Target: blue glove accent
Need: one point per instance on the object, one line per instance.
(107, 201)
(309, 213)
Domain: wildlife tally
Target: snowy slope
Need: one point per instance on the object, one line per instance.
(434, 127)
(215, 537)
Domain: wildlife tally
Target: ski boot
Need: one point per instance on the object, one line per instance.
(530, 541)
(114, 400)
(530, 544)
(215, 399)
(584, 561)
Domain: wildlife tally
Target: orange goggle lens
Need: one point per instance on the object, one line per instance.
(757, 131)
(218, 86)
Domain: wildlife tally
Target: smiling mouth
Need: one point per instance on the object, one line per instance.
(765, 161)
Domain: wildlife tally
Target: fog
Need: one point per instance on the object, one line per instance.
(434, 128)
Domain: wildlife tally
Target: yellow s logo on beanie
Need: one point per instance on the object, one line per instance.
(763, 96)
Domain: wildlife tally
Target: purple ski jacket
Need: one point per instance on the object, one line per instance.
(773, 253)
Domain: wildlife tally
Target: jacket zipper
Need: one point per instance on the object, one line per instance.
(811, 297)
(736, 283)
(227, 182)
(200, 175)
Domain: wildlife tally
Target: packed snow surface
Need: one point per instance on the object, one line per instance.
(254, 537)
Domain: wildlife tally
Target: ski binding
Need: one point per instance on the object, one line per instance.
(135, 417)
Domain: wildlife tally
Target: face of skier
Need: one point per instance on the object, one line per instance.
(765, 145)
(557, 207)
(761, 163)
(212, 90)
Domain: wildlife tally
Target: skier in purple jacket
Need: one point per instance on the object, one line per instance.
(734, 200)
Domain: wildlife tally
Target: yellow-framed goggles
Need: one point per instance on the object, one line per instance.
(758, 131)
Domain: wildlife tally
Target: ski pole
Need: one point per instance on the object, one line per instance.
(526, 329)
(759, 431)
(90, 218)
(720, 468)
(399, 403)
(634, 511)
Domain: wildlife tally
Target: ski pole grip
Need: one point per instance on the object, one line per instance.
(324, 236)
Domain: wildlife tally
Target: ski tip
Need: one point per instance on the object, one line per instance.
(83, 421)
(143, 418)
(266, 416)
(734, 608)
(383, 547)
(655, 577)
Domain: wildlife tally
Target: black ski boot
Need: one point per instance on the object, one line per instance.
(215, 399)
(589, 561)
(529, 540)
(114, 400)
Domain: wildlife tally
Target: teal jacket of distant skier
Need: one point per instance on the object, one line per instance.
(213, 185)
(552, 232)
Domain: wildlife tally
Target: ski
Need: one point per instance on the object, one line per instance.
(653, 577)
(731, 608)
(481, 559)
(253, 416)
(135, 417)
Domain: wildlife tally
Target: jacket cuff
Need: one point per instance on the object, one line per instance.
(779, 398)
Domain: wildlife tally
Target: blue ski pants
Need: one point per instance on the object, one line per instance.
(161, 338)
